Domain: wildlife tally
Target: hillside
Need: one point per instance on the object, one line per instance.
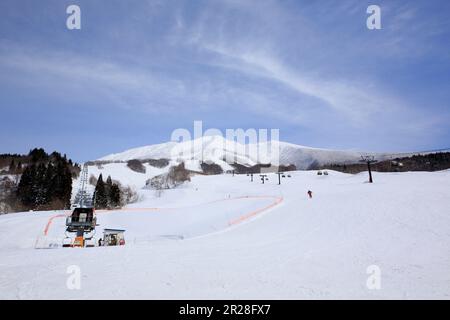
(36, 181)
(418, 162)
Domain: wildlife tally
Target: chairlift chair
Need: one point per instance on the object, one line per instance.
(81, 219)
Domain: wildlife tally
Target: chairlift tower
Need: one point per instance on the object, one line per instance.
(83, 199)
(369, 160)
(279, 176)
(82, 221)
(263, 177)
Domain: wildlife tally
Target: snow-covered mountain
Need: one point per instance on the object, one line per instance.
(217, 149)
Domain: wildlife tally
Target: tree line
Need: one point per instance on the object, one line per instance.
(46, 182)
(107, 194)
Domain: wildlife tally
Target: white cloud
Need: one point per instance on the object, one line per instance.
(126, 87)
(356, 101)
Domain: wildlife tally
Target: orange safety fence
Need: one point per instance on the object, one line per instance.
(49, 223)
(277, 201)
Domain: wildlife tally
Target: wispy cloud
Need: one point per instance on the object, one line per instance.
(356, 99)
(58, 70)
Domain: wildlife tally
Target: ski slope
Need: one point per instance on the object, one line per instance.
(224, 237)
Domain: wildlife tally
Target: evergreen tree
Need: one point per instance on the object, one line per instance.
(63, 183)
(49, 184)
(108, 186)
(12, 166)
(101, 199)
(115, 196)
(25, 192)
(109, 181)
(46, 185)
(39, 192)
(38, 154)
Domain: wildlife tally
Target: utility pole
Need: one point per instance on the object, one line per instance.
(369, 160)
(279, 176)
(263, 177)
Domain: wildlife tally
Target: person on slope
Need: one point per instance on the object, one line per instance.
(309, 194)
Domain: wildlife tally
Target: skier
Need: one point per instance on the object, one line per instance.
(100, 242)
(310, 194)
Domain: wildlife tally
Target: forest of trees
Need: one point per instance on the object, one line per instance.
(176, 176)
(107, 194)
(46, 181)
(421, 162)
(42, 181)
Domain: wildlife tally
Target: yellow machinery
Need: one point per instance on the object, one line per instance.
(78, 242)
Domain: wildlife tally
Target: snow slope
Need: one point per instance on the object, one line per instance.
(126, 176)
(248, 240)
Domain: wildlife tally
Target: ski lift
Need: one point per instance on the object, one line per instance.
(82, 221)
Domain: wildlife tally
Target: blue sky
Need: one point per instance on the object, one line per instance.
(137, 70)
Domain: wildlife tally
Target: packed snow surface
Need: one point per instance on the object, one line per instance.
(227, 237)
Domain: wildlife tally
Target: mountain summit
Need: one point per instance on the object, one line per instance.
(219, 150)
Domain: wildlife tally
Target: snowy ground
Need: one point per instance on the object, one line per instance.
(246, 240)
